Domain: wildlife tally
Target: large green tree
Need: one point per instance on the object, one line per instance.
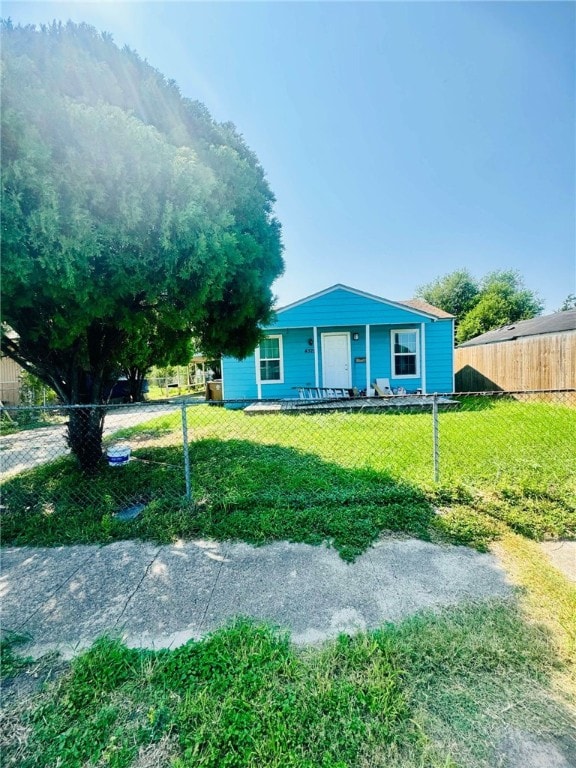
(568, 303)
(131, 221)
(456, 293)
(503, 299)
(499, 298)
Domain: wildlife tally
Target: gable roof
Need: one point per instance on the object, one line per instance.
(420, 307)
(423, 306)
(556, 323)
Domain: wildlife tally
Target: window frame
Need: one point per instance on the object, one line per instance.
(280, 360)
(394, 354)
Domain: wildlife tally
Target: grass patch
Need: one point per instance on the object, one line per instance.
(343, 478)
(548, 597)
(535, 510)
(435, 690)
(11, 663)
(477, 518)
(310, 500)
(55, 504)
(13, 421)
(474, 673)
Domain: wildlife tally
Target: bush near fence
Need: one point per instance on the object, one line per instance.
(342, 475)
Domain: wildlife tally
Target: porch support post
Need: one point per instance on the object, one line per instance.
(316, 368)
(368, 373)
(423, 356)
(258, 382)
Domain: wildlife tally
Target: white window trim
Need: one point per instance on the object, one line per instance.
(281, 351)
(393, 374)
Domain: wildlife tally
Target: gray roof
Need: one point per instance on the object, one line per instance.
(556, 323)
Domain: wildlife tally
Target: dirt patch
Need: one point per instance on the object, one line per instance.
(19, 692)
(520, 749)
(21, 687)
(562, 555)
(158, 754)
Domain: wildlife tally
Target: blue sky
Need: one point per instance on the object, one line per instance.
(402, 140)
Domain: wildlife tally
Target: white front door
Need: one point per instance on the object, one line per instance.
(336, 360)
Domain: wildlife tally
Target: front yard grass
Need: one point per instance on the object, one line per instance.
(437, 690)
(341, 478)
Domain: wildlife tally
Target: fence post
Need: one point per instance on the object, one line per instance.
(436, 445)
(186, 452)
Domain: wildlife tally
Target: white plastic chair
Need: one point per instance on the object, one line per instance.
(382, 387)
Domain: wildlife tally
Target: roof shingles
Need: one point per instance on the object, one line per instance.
(425, 307)
(556, 323)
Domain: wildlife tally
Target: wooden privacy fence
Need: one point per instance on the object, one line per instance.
(543, 362)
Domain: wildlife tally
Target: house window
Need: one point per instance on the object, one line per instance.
(405, 353)
(271, 363)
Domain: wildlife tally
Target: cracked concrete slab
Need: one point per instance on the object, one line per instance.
(169, 607)
(309, 590)
(73, 613)
(29, 577)
(161, 596)
(315, 594)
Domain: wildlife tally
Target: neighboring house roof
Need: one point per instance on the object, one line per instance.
(556, 323)
(421, 307)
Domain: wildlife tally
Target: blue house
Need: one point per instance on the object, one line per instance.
(344, 338)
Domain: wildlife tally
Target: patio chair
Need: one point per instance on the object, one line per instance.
(382, 387)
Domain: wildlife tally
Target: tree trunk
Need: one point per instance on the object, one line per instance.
(136, 378)
(85, 436)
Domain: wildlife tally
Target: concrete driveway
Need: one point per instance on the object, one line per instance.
(161, 596)
(30, 448)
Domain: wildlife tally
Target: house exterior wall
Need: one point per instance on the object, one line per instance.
(440, 356)
(239, 378)
(301, 328)
(10, 373)
(342, 308)
(547, 361)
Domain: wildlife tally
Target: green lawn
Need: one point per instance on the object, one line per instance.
(437, 690)
(343, 478)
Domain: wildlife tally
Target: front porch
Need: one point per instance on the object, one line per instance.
(351, 404)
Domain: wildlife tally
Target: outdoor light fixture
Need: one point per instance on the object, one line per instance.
(355, 336)
(310, 342)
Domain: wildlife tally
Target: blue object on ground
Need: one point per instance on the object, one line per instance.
(129, 513)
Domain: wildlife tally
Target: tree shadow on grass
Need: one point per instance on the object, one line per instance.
(266, 493)
(475, 403)
(242, 490)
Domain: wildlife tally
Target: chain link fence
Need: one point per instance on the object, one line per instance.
(285, 454)
(140, 459)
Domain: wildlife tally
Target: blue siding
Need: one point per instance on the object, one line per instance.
(439, 356)
(343, 308)
(298, 363)
(381, 354)
(239, 377)
(343, 311)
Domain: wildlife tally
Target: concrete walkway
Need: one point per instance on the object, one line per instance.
(161, 596)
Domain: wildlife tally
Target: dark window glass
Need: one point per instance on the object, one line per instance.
(269, 370)
(405, 365)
